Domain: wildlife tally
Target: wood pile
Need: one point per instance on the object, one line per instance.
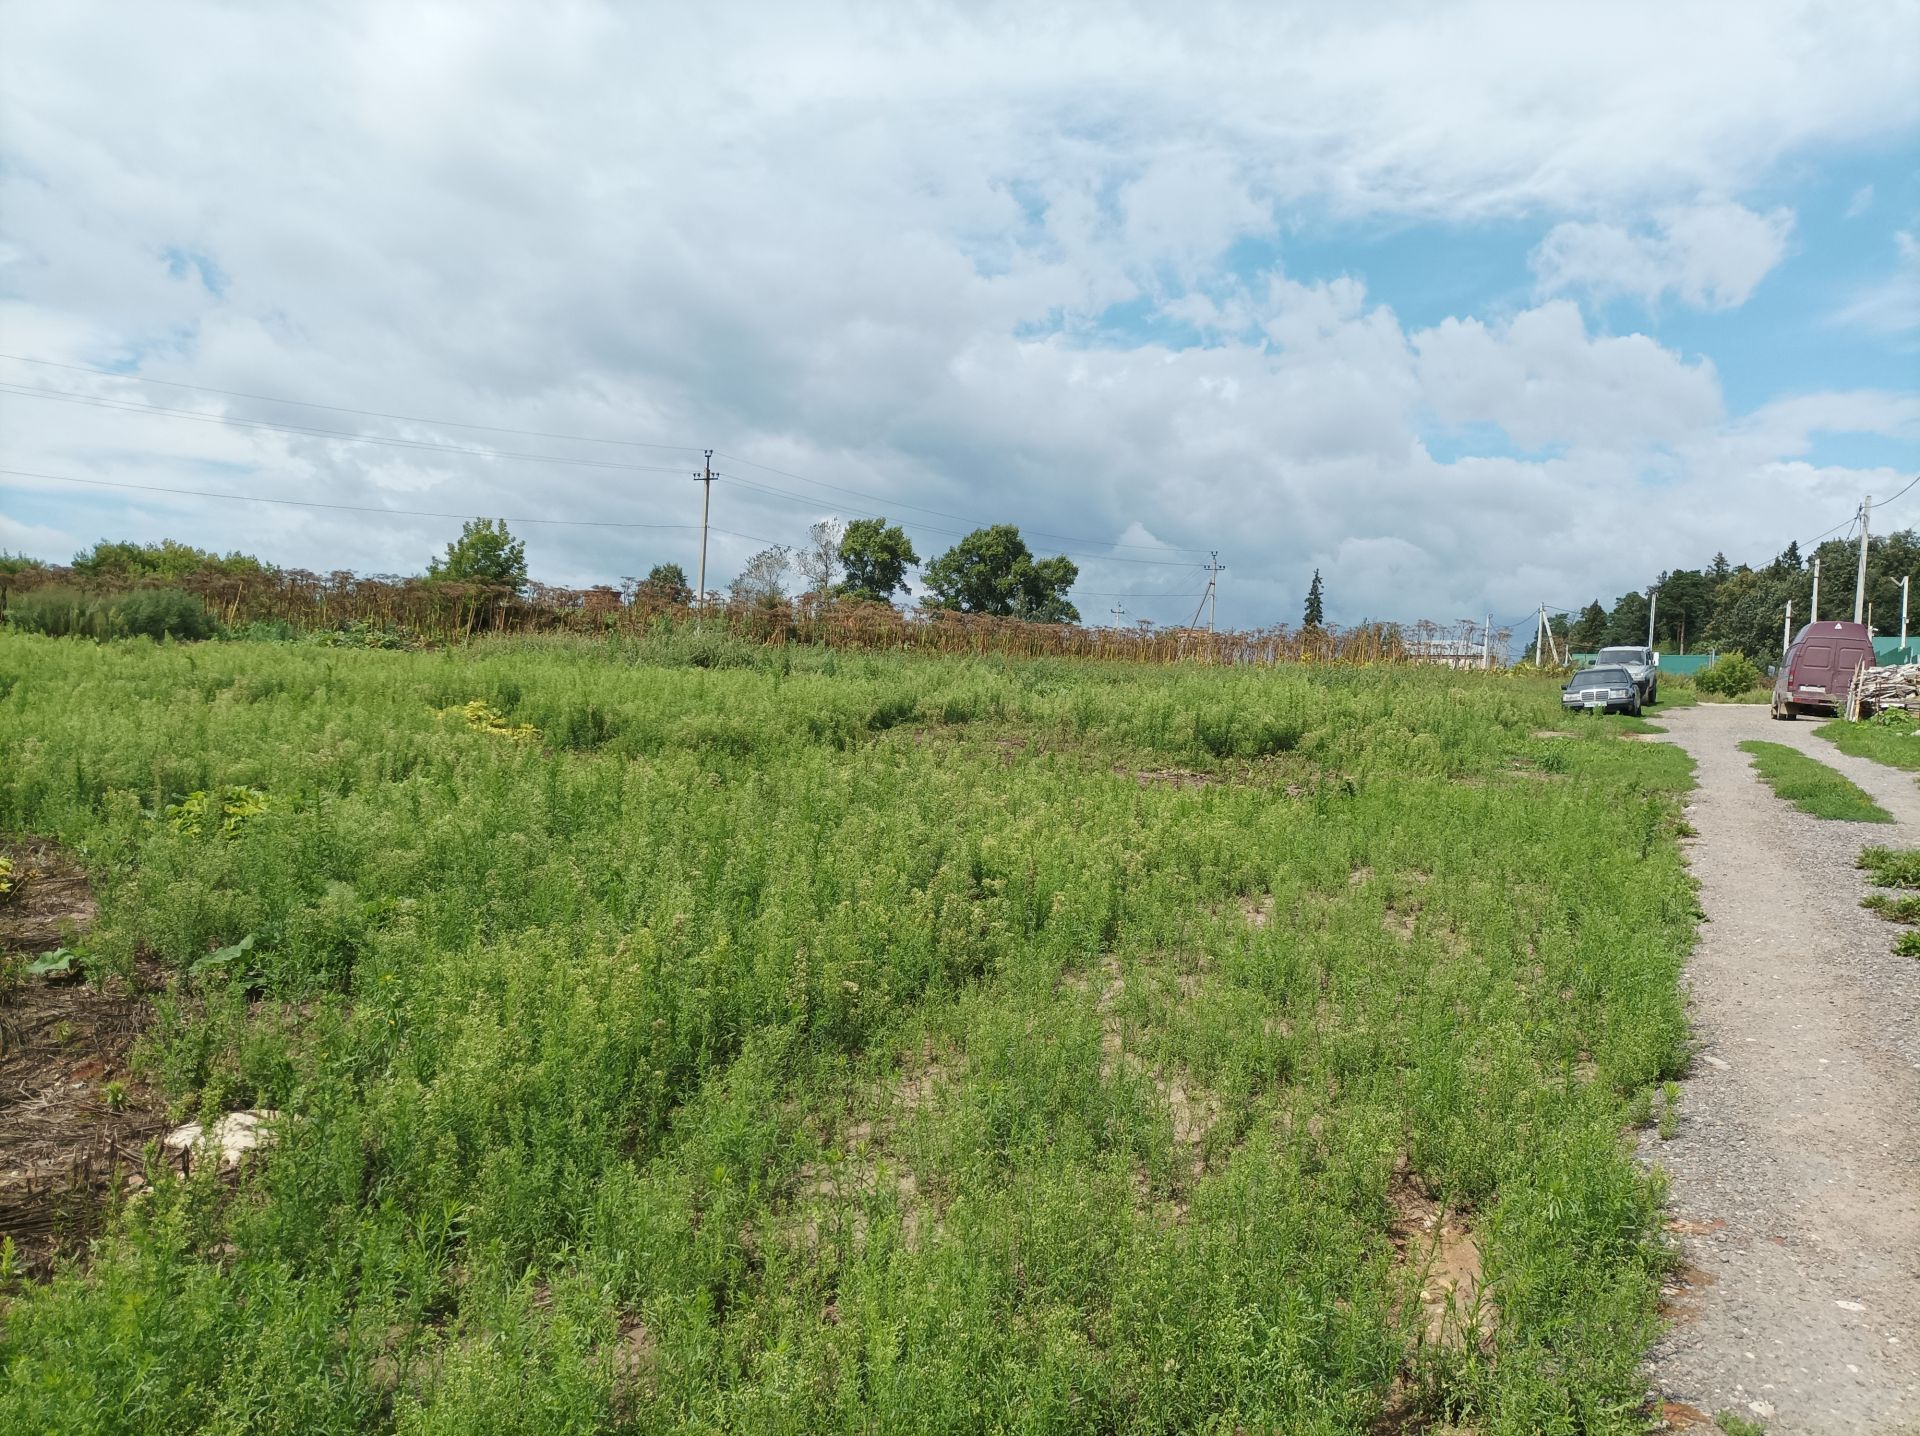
(1876, 689)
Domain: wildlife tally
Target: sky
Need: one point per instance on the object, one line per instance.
(1470, 307)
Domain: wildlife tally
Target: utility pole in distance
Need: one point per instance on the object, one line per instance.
(1903, 613)
(1813, 613)
(1213, 588)
(1860, 580)
(1786, 631)
(705, 476)
(1119, 611)
(1653, 606)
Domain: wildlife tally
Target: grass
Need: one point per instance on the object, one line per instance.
(1811, 786)
(1895, 868)
(1887, 739)
(1905, 909)
(804, 1042)
(1891, 867)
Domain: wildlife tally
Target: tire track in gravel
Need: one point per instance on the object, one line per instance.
(1795, 1167)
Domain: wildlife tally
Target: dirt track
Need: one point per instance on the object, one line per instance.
(1796, 1163)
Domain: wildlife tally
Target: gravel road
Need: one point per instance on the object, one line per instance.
(1795, 1165)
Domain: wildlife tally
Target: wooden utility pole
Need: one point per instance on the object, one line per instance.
(1213, 568)
(1860, 579)
(705, 476)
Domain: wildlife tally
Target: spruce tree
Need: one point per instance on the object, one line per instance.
(1316, 605)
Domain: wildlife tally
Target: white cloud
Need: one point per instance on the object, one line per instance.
(1710, 256)
(1893, 305)
(886, 253)
(1861, 202)
(1542, 379)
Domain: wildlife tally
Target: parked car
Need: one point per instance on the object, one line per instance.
(1642, 663)
(1813, 674)
(1604, 690)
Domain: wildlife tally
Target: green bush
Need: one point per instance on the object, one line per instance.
(1731, 676)
(144, 612)
(57, 612)
(159, 613)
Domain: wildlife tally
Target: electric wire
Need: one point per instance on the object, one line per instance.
(749, 484)
(343, 409)
(138, 407)
(65, 397)
(370, 508)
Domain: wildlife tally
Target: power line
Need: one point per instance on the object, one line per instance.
(937, 513)
(366, 508)
(351, 436)
(65, 397)
(343, 409)
(959, 533)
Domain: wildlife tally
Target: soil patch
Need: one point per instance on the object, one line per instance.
(1438, 1246)
(1169, 778)
(72, 1118)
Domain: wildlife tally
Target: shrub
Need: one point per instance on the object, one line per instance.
(1731, 676)
(57, 612)
(143, 612)
(159, 613)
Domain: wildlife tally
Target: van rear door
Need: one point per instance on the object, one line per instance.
(1813, 669)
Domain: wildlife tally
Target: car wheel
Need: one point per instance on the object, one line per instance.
(1789, 712)
(1653, 694)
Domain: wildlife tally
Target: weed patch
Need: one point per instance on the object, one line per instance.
(1894, 741)
(1811, 786)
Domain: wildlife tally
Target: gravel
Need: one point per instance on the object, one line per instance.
(1795, 1166)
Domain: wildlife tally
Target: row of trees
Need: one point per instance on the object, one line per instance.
(991, 571)
(1737, 608)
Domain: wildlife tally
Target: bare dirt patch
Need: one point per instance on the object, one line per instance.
(73, 1120)
(1437, 1245)
(1168, 778)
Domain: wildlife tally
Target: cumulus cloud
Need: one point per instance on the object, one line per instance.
(1710, 256)
(936, 268)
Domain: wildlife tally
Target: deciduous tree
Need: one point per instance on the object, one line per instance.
(993, 571)
(876, 556)
(485, 553)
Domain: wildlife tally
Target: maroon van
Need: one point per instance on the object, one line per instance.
(1814, 673)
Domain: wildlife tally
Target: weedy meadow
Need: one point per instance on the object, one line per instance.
(712, 1038)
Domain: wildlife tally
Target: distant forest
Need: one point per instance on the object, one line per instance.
(1736, 608)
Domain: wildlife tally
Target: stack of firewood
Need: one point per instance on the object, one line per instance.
(1876, 689)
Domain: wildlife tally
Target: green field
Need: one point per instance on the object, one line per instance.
(1811, 786)
(790, 1041)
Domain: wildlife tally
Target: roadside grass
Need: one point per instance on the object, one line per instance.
(1896, 744)
(1891, 867)
(681, 1035)
(1904, 909)
(1895, 868)
(1811, 786)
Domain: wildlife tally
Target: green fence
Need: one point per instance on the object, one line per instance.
(1683, 664)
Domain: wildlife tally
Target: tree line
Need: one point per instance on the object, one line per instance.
(1737, 608)
(990, 571)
